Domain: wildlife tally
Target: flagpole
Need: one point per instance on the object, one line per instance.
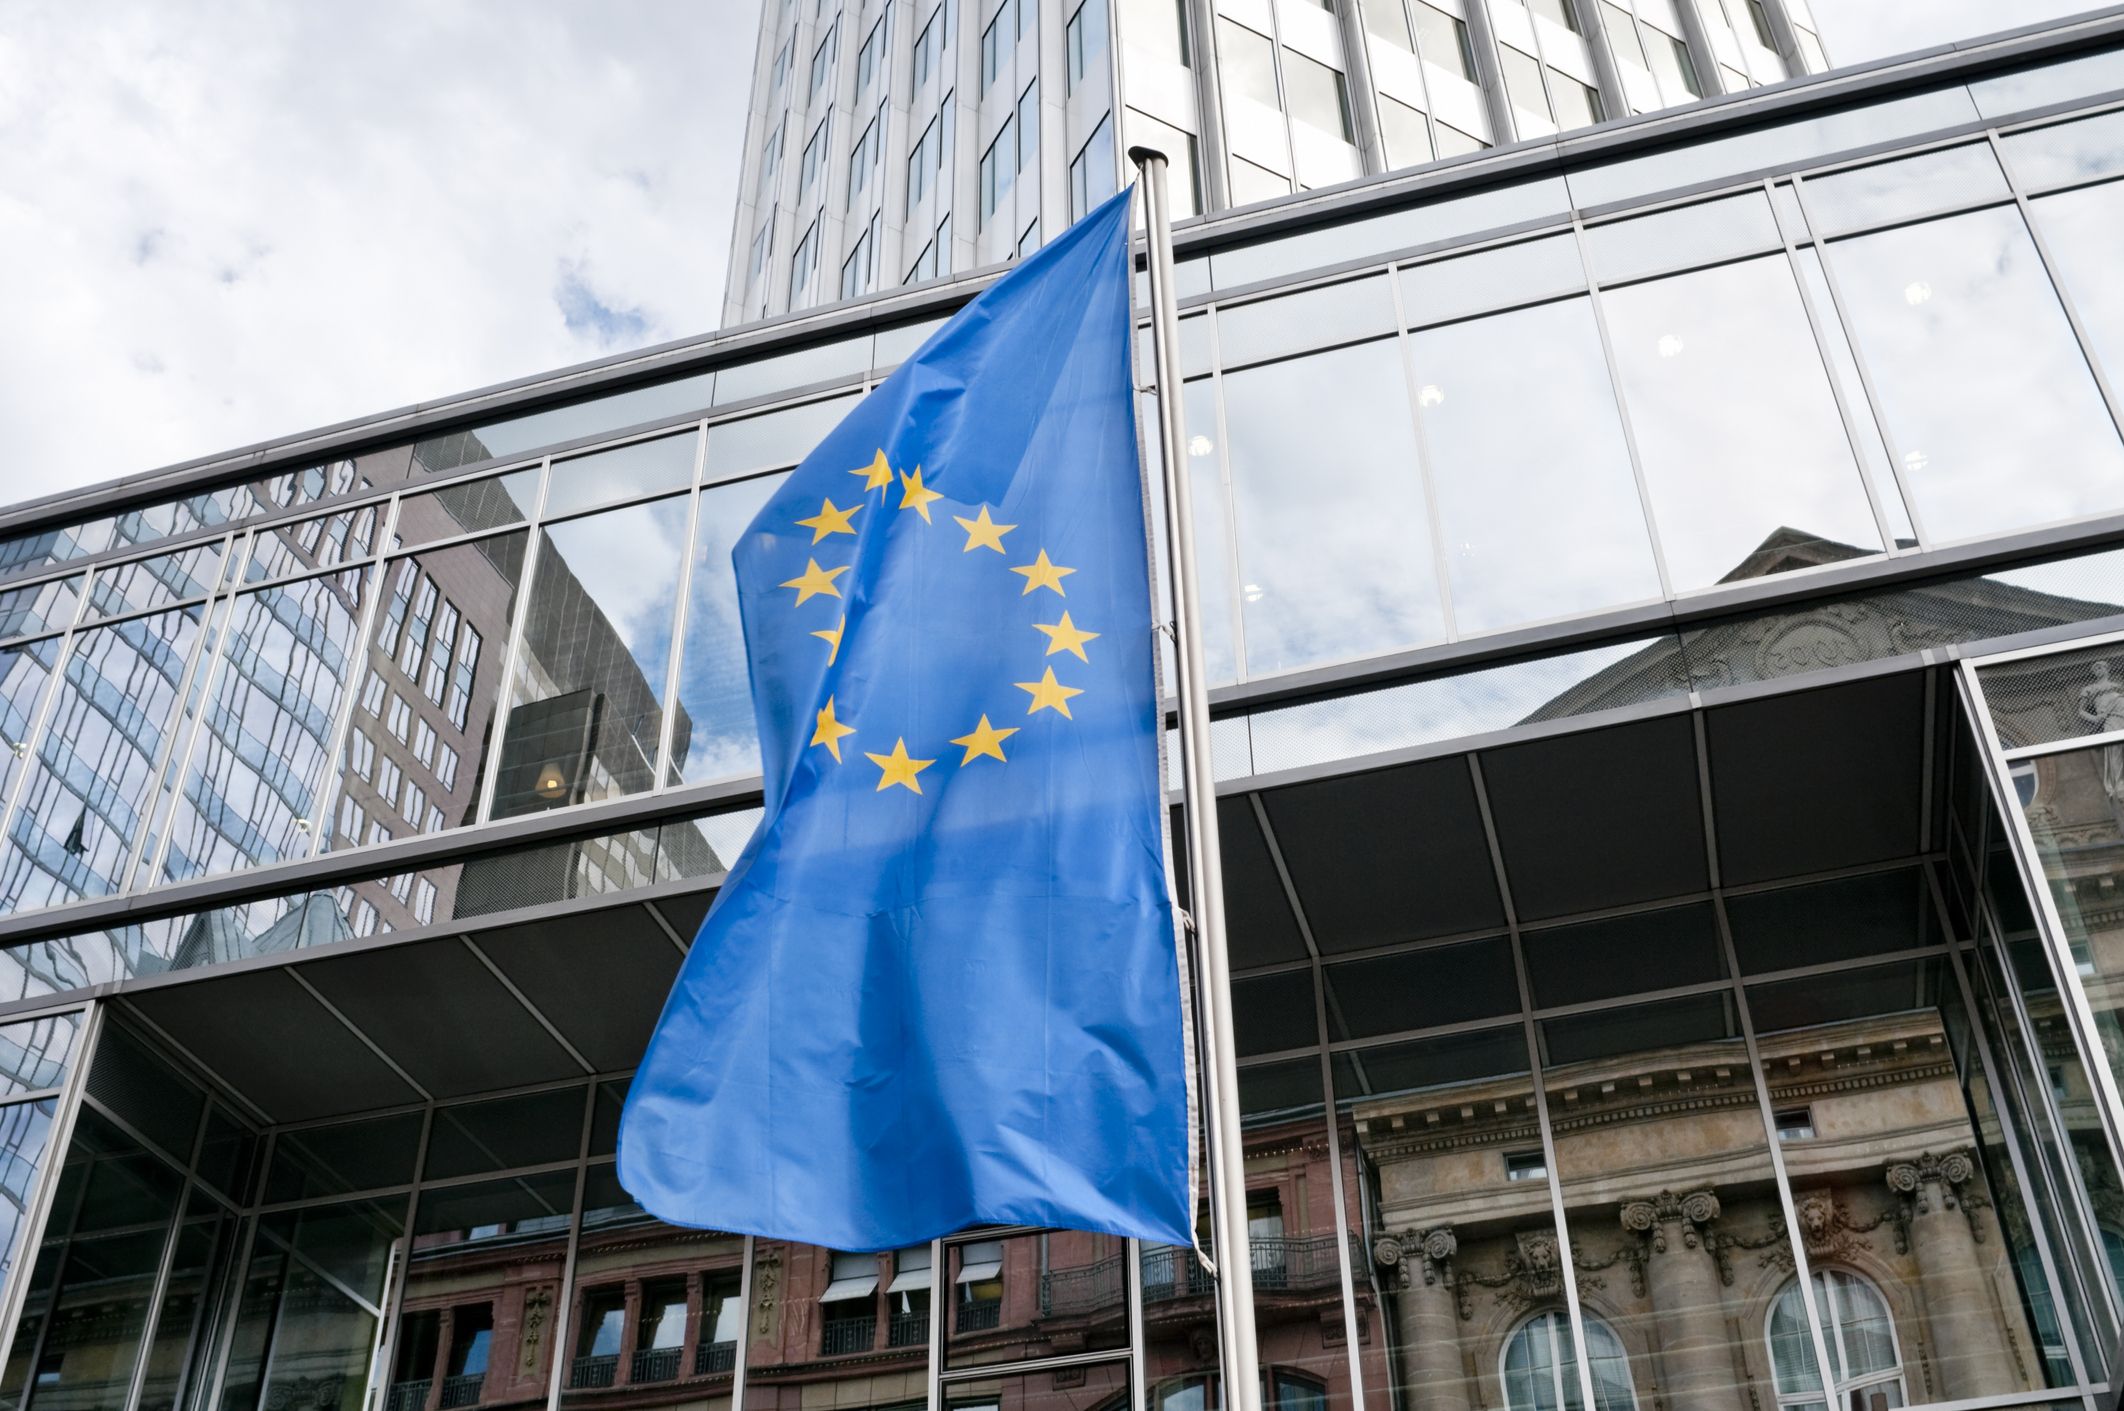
(1235, 1302)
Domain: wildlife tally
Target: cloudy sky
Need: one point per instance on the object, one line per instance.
(226, 220)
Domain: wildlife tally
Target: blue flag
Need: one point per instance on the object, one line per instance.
(940, 988)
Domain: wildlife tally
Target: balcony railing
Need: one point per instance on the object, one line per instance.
(842, 1335)
(594, 1371)
(408, 1396)
(714, 1357)
(657, 1364)
(462, 1390)
(907, 1330)
(1280, 1265)
(979, 1315)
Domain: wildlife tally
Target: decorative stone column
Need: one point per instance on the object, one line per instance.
(1682, 1280)
(1968, 1341)
(1419, 1268)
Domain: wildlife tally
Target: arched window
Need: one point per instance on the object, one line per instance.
(1861, 1336)
(1540, 1366)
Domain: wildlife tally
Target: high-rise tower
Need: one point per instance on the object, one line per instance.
(893, 141)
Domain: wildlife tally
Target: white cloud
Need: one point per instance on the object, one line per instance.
(1855, 31)
(225, 221)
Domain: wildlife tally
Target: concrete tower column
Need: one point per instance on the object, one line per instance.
(1419, 1267)
(1968, 1344)
(1681, 1277)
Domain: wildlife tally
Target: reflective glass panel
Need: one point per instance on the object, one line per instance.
(1851, 390)
(482, 1284)
(2079, 231)
(260, 762)
(1334, 313)
(176, 1352)
(1911, 186)
(1958, 324)
(820, 1326)
(1905, 1204)
(156, 582)
(1537, 506)
(369, 1154)
(1645, 950)
(715, 735)
(34, 1053)
(2073, 151)
(828, 362)
(1322, 452)
(1709, 230)
(1421, 989)
(40, 607)
(613, 412)
(1213, 536)
(1720, 369)
(323, 542)
(1460, 1240)
(1789, 927)
(624, 472)
(416, 742)
(25, 1132)
(587, 702)
(467, 507)
(1509, 274)
(85, 788)
(312, 1297)
(1666, 1174)
(531, 1130)
(1032, 1295)
(24, 673)
(1101, 1384)
(773, 439)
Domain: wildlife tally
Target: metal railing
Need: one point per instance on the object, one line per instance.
(594, 1371)
(408, 1396)
(462, 1390)
(656, 1364)
(843, 1335)
(907, 1329)
(979, 1315)
(1280, 1265)
(714, 1357)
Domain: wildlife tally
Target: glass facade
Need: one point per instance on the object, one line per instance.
(1664, 610)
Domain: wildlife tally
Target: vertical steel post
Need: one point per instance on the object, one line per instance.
(1213, 1009)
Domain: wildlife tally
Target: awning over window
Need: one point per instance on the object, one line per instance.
(842, 1289)
(980, 1262)
(910, 1269)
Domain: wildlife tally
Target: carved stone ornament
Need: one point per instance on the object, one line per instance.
(305, 1393)
(1692, 1214)
(1532, 1274)
(1428, 1253)
(1944, 1172)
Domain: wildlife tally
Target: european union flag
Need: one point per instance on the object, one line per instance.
(940, 986)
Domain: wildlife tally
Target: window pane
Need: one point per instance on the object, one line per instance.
(25, 671)
(1083, 1277)
(1317, 95)
(1322, 452)
(1213, 540)
(1247, 63)
(85, 792)
(1538, 509)
(41, 607)
(1509, 274)
(1530, 105)
(467, 507)
(1407, 132)
(1708, 230)
(1448, 1199)
(1957, 323)
(774, 439)
(1646, 950)
(1720, 368)
(639, 468)
(1912, 186)
(797, 1337)
(715, 735)
(1329, 314)
(307, 1308)
(2080, 230)
(166, 578)
(587, 702)
(2073, 151)
(1385, 19)
(435, 660)
(1442, 39)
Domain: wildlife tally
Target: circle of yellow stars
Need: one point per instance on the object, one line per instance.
(985, 740)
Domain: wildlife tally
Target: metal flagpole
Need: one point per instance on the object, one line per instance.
(1205, 869)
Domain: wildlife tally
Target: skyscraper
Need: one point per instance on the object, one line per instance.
(894, 141)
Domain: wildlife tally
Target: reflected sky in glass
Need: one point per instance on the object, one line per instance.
(1334, 544)
(1213, 540)
(1986, 394)
(1737, 428)
(716, 735)
(2080, 229)
(1538, 507)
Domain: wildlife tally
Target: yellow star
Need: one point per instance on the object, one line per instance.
(877, 475)
(983, 532)
(899, 769)
(914, 496)
(830, 521)
(1042, 574)
(831, 731)
(985, 740)
(814, 581)
(1066, 636)
(832, 636)
(1048, 693)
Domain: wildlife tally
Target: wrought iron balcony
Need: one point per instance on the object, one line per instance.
(656, 1364)
(907, 1330)
(594, 1371)
(714, 1357)
(979, 1315)
(843, 1335)
(408, 1396)
(462, 1390)
(1280, 1265)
